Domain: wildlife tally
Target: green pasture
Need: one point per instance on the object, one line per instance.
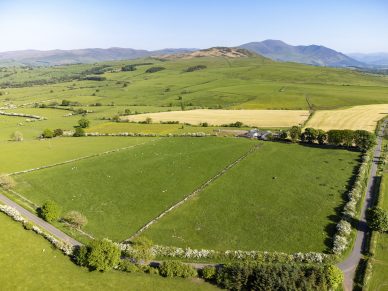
(121, 192)
(284, 197)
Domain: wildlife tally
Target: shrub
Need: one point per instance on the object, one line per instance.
(209, 273)
(154, 69)
(81, 255)
(127, 266)
(50, 211)
(295, 133)
(27, 225)
(75, 219)
(84, 123)
(79, 132)
(148, 120)
(47, 133)
(378, 219)
(195, 68)
(104, 255)
(17, 136)
(335, 276)
(176, 269)
(7, 182)
(128, 68)
(58, 132)
(141, 250)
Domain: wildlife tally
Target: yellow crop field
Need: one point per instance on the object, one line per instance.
(357, 117)
(259, 118)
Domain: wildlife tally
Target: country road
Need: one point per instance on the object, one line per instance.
(349, 266)
(39, 222)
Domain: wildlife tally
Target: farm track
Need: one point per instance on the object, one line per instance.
(349, 266)
(80, 158)
(194, 193)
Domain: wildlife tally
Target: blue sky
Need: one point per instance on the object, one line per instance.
(344, 25)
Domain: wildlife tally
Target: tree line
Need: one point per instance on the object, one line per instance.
(360, 139)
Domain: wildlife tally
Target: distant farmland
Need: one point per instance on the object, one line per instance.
(358, 117)
(260, 118)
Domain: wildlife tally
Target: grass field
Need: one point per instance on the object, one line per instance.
(120, 192)
(245, 83)
(18, 156)
(28, 262)
(358, 117)
(379, 279)
(281, 198)
(259, 118)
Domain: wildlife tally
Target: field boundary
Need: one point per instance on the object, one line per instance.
(79, 159)
(194, 193)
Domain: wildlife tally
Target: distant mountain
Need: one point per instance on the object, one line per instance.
(374, 59)
(225, 52)
(311, 54)
(64, 57)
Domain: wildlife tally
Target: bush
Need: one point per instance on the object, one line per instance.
(84, 123)
(7, 182)
(58, 132)
(335, 276)
(27, 225)
(47, 133)
(76, 219)
(176, 269)
(141, 251)
(17, 136)
(50, 211)
(81, 256)
(209, 273)
(155, 69)
(79, 132)
(195, 68)
(104, 255)
(378, 219)
(127, 266)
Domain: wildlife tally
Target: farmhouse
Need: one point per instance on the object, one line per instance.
(259, 134)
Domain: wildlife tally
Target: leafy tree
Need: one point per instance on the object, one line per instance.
(321, 136)
(335, 276)
(128, 266)
(378, 219)
(309, 135)
(47, 133)
(148, 120)
(348, 137)
(295, 133)
(104, 255)
(209, 273)
(81, 255)
(364, 140)
(335, 137)
(66, 103)
(7, 182)
(283, 134)
(84, 123)
(76, 219)
(50, 211)
(142, 250)
(79, 132)
(17, 136)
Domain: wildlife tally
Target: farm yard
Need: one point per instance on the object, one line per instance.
(258, 118)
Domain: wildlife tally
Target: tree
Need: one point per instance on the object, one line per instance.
(348, 137)
(17, 136)
(141, 250)
(321, 136)
(79, 132)
(148, 120)
(47, 133)
(295, 133)
(65, 103)
(309, 135)
(84, 123)
(50, 211)
(58, 132)
(75, 219)
(364, 140)
(335, 137)
(335, 276)
(104, 255)
(7, 182)
(378, 219)
(283, 134)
